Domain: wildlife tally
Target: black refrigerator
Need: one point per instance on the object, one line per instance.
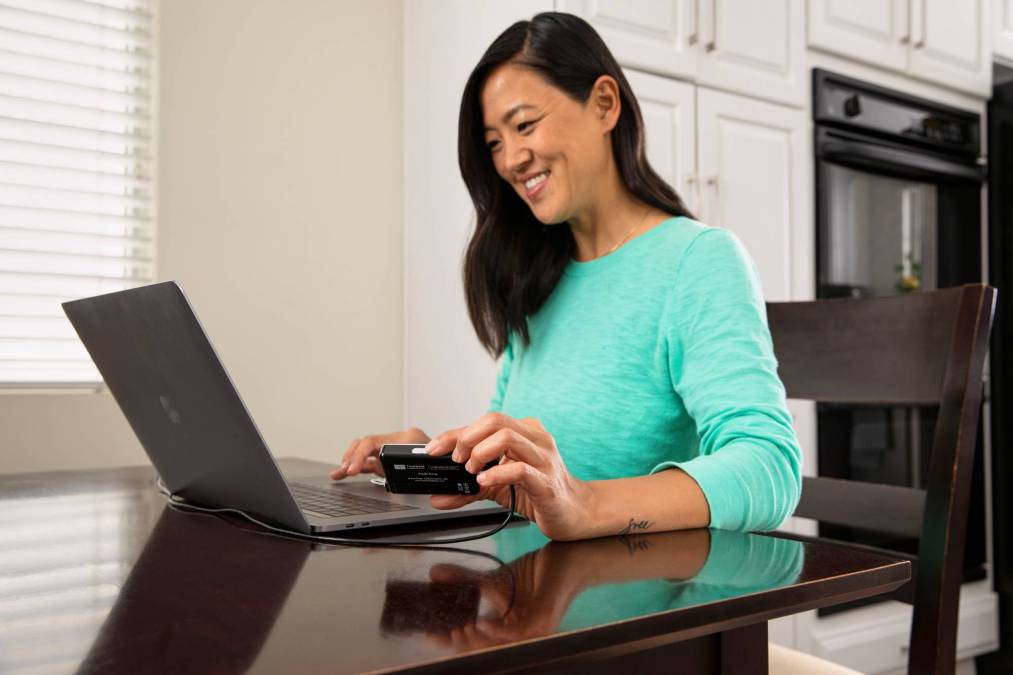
(1000, 234)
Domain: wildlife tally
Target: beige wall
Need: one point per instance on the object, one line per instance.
(279, 211)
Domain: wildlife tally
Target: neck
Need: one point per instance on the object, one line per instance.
(608, 218)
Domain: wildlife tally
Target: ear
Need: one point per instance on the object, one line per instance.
(605, 102)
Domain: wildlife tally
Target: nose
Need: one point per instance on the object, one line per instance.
(518, 157)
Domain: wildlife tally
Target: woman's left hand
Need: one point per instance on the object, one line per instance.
(547, 493)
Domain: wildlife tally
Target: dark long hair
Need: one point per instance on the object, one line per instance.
(513, 262)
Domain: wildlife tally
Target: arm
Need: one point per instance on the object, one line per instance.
(564, 507)
(722, 365)
(669, 500)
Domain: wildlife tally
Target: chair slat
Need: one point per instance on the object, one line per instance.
(870, 506)
(824, 348)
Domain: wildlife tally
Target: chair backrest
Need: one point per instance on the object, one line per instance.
(917, 349)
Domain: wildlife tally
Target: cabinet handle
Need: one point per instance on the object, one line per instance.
(918, 24)
(694, 21)
(905, 24)
(693, 188)
(712, 29)
(713, 188)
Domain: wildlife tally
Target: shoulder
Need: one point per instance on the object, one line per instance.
(699, 247)
(714, 267)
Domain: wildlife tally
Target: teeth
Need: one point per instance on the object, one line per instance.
(532, 182)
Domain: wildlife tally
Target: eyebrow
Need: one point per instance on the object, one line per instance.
(513, 111)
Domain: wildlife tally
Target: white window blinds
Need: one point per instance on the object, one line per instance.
(76, 173)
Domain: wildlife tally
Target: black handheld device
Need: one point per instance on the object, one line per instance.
(409, 469)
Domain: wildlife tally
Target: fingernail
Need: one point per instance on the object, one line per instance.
(344, 466)
(482, 478)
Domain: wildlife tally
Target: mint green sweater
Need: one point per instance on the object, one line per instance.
(659, 356)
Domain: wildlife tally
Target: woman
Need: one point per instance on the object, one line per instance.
(638, 389)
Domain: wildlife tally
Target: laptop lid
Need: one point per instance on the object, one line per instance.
(164, 373)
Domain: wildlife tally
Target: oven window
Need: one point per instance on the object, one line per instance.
(879, 234)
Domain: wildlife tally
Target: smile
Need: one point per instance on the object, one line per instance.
(535, 184)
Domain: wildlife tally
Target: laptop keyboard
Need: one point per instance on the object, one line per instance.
(339, 503)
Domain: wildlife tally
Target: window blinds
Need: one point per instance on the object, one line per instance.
(76, 173)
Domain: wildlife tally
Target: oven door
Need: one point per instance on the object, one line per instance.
(892, 219)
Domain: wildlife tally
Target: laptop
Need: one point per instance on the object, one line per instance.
(164, 373)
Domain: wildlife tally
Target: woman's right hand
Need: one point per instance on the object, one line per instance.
(361, 455)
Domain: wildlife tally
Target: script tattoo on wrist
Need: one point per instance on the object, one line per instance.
(635, 526)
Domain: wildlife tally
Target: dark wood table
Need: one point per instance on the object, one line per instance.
(97, 575)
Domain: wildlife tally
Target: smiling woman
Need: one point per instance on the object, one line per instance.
(638, 389)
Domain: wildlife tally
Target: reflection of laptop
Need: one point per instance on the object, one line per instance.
(202, 596)
(161, 368)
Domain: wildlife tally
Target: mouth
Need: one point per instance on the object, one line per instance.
(536, 184)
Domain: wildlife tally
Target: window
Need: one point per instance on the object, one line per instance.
(77, 189)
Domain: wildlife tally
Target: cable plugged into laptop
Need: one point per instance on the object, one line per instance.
(182, 504)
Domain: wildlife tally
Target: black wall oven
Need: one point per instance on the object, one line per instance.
(898, 209)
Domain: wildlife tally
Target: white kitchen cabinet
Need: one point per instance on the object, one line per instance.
(951, 43)
(1002, 34)
(658, 36)
(941, 41)
(874, 31)
(669, 111)
(754, 47)
(753, 164)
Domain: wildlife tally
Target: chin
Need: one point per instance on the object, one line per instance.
(547, 216)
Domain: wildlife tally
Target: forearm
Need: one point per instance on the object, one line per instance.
(668, 500)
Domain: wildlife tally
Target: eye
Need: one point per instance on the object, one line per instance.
(525, 125)
(492, 145)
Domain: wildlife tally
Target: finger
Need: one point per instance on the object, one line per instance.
(505, 442)
(373, 465)
(340, 472)
(365, 448)
(443, 443)
(519, 474)
(490, 423)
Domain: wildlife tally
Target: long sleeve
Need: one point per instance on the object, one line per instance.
(722, 365)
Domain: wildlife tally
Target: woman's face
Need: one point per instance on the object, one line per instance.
(548, 147)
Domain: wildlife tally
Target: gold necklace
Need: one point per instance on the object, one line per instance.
(628, 234)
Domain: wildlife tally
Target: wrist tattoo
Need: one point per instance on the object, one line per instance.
(635, 526)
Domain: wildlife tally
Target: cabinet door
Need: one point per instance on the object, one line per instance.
(658, 36)
(874, 31)
(951, 43)
(753, 159)
(1003, 34)
(754, 47)
(669, 113)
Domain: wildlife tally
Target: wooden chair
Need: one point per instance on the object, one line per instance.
(917, 349)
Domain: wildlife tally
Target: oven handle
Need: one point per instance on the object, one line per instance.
(869, 155)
